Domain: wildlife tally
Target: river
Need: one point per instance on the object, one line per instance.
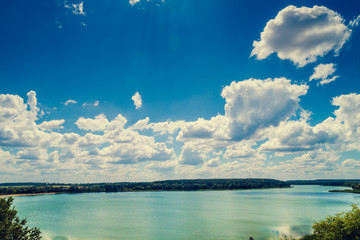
(263, 214)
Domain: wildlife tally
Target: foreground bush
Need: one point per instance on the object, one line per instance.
(342, 226)
(11, 227)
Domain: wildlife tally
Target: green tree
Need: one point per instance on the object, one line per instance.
(11, 227)
(342, 226)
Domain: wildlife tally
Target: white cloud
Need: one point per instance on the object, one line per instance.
(79, 9)
(322, 72)
(260, 124)
(32, 101)
(133, 2)
(252, 105)
(98, 124)
(95, 104)
(301, 35)
(141, 124)
(32, 154)
(351, 163)
(70, 101)
(129, 147)
(137, 100)
(244, 150)
(354, 23)
(214, 162)
(190, 156)
(315, 160)
(53, 124)
(17, 123)
(349, 111)
(116, 125)
(297, 136)
(168, 127)
(163, 167)
(216, 127)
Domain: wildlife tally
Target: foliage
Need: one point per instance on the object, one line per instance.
(11, 227)
(356, 186)
(342, 226)
(326, 182)
(168, 185)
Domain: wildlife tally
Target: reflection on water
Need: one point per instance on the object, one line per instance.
(262, 214)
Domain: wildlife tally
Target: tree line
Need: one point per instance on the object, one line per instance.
(167, 185)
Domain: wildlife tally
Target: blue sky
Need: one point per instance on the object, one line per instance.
(224, 89)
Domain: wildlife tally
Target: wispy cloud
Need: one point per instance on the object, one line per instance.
(77, 9)
(95, 104)
(322, 72)
(354, 23)
(70, 101)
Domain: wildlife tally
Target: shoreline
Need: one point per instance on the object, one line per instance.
(27, 194)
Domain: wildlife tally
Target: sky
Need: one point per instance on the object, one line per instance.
(145, 90)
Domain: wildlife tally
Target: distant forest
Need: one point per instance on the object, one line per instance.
(326, 182)
(168, 185)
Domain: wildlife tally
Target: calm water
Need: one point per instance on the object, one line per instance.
(263, 214)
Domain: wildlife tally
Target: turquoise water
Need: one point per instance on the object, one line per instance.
(262, 214)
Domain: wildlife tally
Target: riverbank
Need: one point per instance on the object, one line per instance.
(27, 194)
(167, 185)
(346, 191)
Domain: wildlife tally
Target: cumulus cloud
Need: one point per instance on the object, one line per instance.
(216, 127)
(255, 104)
(99, 123)
(190, 156)
(17, 123)
(129, 147)
(313, 161)
(322, 72)
(141, 124)
(32, 154)
(297, 136)
(244, 150)
(214, 162)
(303, 34)
(70, 101)
(163, 167)
(116, 125)
(349, 111)
(351, 163)
(32, 101)
(262, 121)
(53, 124)
(137, 100)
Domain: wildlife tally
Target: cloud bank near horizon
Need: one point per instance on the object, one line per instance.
(263, 119)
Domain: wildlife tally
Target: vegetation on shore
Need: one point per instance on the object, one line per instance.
(342, 226)
(326, 182)
(11, 227)
(355, 189)
(353, 183)
(168, 185)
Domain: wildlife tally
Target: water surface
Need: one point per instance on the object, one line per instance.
(262, 214)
